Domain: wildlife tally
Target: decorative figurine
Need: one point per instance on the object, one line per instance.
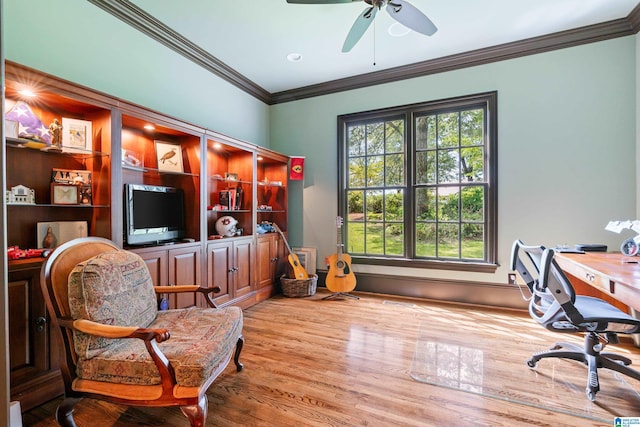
(55, 129)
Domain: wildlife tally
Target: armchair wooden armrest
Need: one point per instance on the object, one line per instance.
(151, 338)
(115, 332)
(205, 291)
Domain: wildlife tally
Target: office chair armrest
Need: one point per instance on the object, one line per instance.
(553, 278)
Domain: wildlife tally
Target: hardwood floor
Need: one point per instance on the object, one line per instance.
(310, 362)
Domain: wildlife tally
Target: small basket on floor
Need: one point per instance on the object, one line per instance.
(299, 287)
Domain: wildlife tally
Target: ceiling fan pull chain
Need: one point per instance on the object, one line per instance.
(374, 43)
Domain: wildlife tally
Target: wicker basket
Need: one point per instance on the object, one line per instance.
(299, 287)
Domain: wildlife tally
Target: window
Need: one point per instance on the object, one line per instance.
(418, 184)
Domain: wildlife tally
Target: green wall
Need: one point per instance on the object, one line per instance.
(77, 41)
(566, 147)
(566, 121)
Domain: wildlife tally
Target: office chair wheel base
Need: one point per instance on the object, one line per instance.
(591, 395)
(532, 363)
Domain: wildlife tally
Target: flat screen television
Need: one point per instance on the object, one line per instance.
(153, 214)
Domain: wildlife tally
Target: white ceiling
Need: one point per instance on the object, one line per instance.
(254, 37)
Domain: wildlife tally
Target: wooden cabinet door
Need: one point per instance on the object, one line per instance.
(243, 267)
(219, 270)
(184, 269)
(266, 258)
(33, 359)
(28, 327)
(281, 254)
(157, 263)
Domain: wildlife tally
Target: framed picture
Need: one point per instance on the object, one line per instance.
(169, 157)
(76, 135)
(60, 232)
(71, 176)
(231, 176)
(64, 194)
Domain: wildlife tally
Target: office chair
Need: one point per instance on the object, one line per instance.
(554, 305)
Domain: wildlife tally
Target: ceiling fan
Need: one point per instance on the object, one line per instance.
(400, 10)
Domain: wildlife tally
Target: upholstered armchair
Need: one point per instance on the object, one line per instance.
(118, 346)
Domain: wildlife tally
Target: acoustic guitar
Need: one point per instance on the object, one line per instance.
(298, 270)
(340, 277)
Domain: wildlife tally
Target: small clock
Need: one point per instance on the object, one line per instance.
(629, 247)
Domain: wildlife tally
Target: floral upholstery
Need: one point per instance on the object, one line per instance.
(113, 288)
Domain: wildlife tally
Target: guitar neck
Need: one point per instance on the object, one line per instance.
(284, 239)
(339, 243)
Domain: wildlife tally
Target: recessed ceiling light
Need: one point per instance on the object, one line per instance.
(398, 30)
(294, 57)
(149, 127)
(27, 92)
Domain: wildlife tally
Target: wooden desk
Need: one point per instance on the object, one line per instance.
(608, 275)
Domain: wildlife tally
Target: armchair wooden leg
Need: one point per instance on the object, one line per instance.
(236, 357)
(197, 414)
(64, 413)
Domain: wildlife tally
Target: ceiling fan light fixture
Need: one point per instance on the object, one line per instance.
(294, 57)
(398, 30)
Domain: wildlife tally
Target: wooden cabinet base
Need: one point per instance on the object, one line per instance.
(38, 390)
(265, 293)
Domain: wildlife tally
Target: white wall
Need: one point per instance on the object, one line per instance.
(77, 41)
(566, 147)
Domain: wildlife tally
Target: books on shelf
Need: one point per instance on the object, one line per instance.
(223, 199)
(231, 198)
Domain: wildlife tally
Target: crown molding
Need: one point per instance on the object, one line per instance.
(634, 18)
(560, 40)
(147, 24)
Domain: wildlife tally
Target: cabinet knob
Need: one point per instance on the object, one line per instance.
(40, 323)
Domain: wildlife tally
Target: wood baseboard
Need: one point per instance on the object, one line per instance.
(466, 292)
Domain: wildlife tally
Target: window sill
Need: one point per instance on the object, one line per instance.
(478, 267)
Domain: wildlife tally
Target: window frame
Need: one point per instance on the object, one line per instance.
(489, 102)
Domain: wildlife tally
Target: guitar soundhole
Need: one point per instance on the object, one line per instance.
(340, 264)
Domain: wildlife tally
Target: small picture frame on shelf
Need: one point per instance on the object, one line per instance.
(76, 135)
(169, 157)
(229, 176)
(10, 129)
(64, 194)
(71, 176)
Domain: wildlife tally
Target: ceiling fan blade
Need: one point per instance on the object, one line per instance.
(359, 27)
(411, 17)
(320, 1)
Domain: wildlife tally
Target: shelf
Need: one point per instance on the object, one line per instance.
(262, 184)
(42, 147)
(229, 181)
(271, 211)
(230, 211)
(51, 205)
(157, 171)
